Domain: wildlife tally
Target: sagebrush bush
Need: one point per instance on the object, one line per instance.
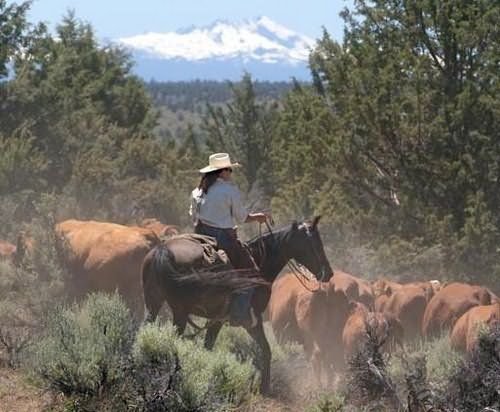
(475, 385)
(368, 383)
(441, 362)
(84, 346)
(238, 342)
(286, 362)
(328, 403)
(206, 378)
(92, 352)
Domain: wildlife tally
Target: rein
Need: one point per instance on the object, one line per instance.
(301, 276)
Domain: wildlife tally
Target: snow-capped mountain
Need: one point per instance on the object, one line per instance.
(223, 50)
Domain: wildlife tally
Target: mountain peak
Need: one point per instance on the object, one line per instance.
(258, 40)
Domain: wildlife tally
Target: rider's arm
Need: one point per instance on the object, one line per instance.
(241, 213)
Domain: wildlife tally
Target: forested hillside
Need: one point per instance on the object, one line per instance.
(195, 95)
(182, 105)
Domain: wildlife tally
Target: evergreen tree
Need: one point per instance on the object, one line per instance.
(416, 124)
(244, 128)
(71, 93)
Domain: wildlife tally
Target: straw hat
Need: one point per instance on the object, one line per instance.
(218, 161)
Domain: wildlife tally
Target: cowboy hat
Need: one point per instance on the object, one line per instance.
(218, 161)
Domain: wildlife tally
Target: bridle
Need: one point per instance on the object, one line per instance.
(316, 255)
(298, 270)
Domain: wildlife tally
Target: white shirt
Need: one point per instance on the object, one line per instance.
(221, 207)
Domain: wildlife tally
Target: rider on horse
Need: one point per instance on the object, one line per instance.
(216, 209)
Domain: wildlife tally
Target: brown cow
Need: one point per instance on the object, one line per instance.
(408, 304)
(7, 250)
(356, 289)
(281, 307)
(107, 257)
(407, 301)
(465, 332)
(380, 303)
(313, 318)
(384, 287)
(161, 229)
(450, 303)
(16, 253)
(387, 328)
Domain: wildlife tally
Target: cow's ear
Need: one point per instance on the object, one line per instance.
(388, 290)
(295, 225)
(353, 305)
(315, 221)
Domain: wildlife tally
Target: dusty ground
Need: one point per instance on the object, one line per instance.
(18, 395)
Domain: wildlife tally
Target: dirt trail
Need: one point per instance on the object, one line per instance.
(17, 395)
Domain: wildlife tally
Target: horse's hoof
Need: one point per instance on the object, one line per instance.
(265, 390)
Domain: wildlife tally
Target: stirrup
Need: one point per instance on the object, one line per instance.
(250, 323)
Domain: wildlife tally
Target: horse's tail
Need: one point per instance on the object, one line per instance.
(162, 259)
(155, 264)
(227, 280)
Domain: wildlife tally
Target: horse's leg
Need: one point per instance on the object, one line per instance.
(257, 333)
(212, 333)
(180, 320)
(153, 301)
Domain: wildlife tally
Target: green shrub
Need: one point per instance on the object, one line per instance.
(154, 344)
(205, 379)
(83, 348)
(475, 384)
(238, 342)
(441, 362)
(328, 403)
(368, 381)
(286, 364)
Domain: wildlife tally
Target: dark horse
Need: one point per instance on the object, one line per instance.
(163, 279)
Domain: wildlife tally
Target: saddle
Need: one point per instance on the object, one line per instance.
(213, 257)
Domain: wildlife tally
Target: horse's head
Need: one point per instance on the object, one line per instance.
(306, 247)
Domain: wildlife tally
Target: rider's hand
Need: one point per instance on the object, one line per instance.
(258, 217)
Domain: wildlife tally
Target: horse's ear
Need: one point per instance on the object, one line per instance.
(295, 225)
(315, 221)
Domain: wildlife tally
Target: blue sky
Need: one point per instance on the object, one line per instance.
(119, 18)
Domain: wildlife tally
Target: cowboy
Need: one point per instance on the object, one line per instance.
(216, 209)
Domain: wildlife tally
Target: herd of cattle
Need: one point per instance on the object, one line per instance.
(332, 320)
(329, 319)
